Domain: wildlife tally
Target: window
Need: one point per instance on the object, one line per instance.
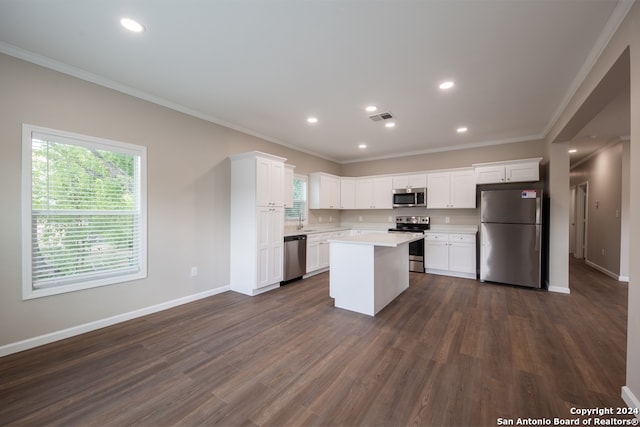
(84, 212)
(299, 209)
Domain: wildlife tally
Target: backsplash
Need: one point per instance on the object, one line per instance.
(387, 216)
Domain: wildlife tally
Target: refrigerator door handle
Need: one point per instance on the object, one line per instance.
(537, 245)
(538, 210)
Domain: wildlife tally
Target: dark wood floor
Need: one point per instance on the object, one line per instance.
(447, 352)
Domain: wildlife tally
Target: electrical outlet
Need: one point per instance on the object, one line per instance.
(330, 218)
(360, 218)
(390, 218)
(447, 219)
(194, 271)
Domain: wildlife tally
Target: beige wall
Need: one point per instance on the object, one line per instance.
(603, 172)
(188, 195)
(447, 159)
(627, 36)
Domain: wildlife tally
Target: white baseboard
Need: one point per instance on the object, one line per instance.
(559, 289)
(624, 279)
(7, 349)
(450, 273)
(630, 399)
(603, 270)
(313, 273)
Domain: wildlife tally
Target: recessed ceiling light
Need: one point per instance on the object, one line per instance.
(312, 120)
(446, 85)
(573, 150)
(132, 25)
(462, 129)
(390, 125)
(371, 108)
(362, 146)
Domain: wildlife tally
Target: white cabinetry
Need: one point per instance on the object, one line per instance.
(313, 252)
(451, 254)
(347, 193)
(410, 181)
(318, 249)
(288, 186)
(456, 189)
(257, 222)
(527, 170)
(270, 245)
(374, 193)
(269, 182)
(324, 191)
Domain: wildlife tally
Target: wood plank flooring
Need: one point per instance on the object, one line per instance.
(447, 352)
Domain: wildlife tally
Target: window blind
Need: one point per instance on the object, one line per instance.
(86, 222)
(299, 208)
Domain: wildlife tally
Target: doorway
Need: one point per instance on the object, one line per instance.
(581, 220)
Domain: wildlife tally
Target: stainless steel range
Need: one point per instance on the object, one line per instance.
(413, 224)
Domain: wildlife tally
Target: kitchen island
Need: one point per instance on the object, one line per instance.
(367, 272)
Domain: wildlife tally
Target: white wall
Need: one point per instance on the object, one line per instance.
(559, 213)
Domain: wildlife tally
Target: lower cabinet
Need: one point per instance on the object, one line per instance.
(318, 250)
(270, 245)
(451, 254)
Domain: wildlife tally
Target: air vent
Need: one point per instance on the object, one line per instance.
(381, 116)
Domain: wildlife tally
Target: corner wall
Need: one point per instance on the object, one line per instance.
(188, 198)
(627, 36)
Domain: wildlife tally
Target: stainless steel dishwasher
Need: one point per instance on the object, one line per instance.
(295, 257)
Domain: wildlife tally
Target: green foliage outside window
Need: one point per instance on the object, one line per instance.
(84, 212)
(299, 200)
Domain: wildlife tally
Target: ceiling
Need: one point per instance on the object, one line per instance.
(265, 66)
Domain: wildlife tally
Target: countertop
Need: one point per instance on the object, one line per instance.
(328, 228)
(460, 229)
(391, 240)
(312, 229)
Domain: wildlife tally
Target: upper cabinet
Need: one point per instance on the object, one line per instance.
(347, 193)
(288, 185)
(269, 181)
(410, 181)
(324, 191)
(527, 170)
(451, 190)
(374, 193)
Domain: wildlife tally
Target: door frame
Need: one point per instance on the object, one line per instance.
(582, 220)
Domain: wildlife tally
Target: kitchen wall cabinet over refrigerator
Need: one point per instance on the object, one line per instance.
(256, 222)
(527, 170)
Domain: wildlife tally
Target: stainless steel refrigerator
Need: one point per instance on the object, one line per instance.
(511, 237)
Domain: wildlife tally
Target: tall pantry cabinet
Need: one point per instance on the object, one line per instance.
(257, 222)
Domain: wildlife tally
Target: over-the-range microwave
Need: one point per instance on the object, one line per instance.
(409, 197)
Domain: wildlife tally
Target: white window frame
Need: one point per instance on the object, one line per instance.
(305, 214)
(28, 290)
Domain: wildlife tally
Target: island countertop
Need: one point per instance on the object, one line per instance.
(390, 240)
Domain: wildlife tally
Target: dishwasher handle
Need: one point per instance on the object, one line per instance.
(297, 237)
